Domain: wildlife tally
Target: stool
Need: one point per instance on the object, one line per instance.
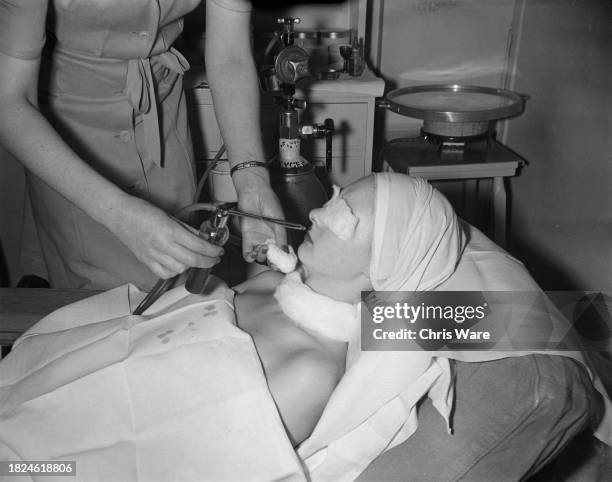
(487, 159)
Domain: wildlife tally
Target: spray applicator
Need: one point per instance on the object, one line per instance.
(214, 231)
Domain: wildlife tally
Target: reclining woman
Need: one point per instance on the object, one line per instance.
(512, 414)
(509, 414)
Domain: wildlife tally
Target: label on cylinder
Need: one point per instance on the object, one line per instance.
(289, 154)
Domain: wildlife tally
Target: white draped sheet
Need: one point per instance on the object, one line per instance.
(177, 395)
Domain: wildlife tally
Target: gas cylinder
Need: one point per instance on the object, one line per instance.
(295, 182)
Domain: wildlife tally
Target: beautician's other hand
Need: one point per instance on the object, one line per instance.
(259, 198)
(164, 244)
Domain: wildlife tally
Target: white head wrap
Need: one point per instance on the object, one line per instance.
(417, 239)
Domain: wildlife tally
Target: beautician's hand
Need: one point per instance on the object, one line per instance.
(260, 199)
(164, 244)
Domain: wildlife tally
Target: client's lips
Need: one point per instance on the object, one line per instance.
(308, 238)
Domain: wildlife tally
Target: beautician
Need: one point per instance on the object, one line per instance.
(98, 118)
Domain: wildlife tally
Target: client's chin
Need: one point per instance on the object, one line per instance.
(304, 248)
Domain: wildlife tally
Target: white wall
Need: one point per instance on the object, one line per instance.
(562, 202)
(446, 41)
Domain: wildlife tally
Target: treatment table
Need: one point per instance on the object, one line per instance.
(21, 308)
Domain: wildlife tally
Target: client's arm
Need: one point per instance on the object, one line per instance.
(302, 370)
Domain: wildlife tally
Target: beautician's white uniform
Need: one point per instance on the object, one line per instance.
(112, 87)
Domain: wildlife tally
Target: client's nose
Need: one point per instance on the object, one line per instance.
(314, 215)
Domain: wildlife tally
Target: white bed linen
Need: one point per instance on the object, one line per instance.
(177, 395)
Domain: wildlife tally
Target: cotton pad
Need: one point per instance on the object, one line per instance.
(279, 259)
(338, 217)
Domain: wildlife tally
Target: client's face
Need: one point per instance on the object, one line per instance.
(338, 243)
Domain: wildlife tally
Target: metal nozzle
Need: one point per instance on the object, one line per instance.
(281, 222)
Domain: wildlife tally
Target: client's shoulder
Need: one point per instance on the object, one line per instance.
(264, 282)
